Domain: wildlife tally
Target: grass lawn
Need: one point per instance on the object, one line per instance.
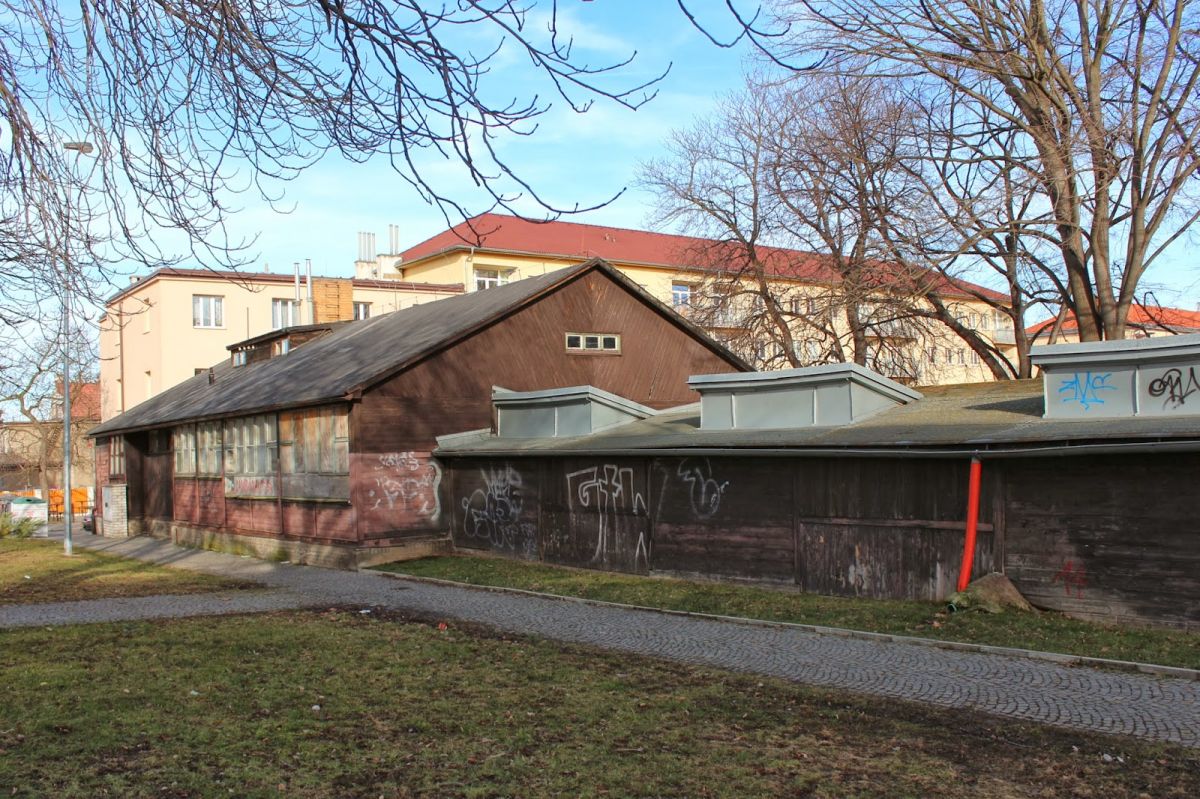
(1049, 632)
(37, 571)
(347, 704)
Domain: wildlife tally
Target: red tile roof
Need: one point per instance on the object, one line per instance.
(1141, 317)
(575, 241)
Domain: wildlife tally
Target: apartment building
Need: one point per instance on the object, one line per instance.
(174, 323)
(494, 249)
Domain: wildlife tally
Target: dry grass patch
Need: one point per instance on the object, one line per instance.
(350, 704)
(34, 571)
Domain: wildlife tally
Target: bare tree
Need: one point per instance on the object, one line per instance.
(799, 185)
(1102, 95)
(31, 408)
(187, 103)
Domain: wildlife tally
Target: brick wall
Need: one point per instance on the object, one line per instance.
(114, 518)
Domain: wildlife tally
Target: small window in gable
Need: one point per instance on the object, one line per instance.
(609, 343)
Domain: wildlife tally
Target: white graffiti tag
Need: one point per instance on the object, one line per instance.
(704, 491)
(608, 492)
(494, 512)
(408, 482)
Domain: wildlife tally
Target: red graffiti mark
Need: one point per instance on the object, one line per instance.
(1072, 576)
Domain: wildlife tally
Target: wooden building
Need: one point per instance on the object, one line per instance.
(314, 444)
(838, 482)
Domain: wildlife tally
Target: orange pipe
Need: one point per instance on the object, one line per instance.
(968, 558)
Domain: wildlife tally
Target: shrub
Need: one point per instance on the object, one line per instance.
(10, 528)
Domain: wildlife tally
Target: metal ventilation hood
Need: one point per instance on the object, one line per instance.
(816, 396)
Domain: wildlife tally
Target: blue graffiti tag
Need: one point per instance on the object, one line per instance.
(1083, 387)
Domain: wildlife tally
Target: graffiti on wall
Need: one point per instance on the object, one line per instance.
(406, 483)
(704, 489)
(607, 492)
(493, 512)
(1175, 387)
(1084, 388)
(250, 486)
(1073, 577)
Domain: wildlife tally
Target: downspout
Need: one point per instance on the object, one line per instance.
(968, 558)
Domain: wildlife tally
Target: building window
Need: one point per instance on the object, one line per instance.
(208, 311)
(593, 342)
(239, 359)
(362, 310)
(490, 278)
(681, 295)
(314, 453)
(250, 451)
(183, 441)
(933, 355)
(281, 347)
(208, 449)
(284, 313)
(116, 457)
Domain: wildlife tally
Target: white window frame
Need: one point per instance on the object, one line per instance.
(208, 311)
(607, 343)
(681, 295)
(490, 278)
(362, 310)
(283, 307)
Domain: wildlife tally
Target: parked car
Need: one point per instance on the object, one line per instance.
(89, 520)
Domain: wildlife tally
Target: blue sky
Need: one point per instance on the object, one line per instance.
(572, 158)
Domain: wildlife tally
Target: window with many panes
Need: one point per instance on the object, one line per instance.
(284, 313)
(489, 278)
(593, 342)
(208, 311)
(208, 449)
(250, 451)
(183, 442)
(362, 310)
(314, 453)
(116, 457)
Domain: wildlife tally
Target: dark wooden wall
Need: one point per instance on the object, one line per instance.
(878, 528)
(1108, 537)
(396, 484)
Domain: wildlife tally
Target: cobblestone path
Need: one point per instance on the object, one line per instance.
(1082, 698)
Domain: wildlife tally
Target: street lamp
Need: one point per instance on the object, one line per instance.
(85, 148)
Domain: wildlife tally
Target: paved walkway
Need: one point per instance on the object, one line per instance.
(1021, 688)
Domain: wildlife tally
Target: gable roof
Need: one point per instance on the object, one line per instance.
(1141, 317)
(573, 240)
(357, 355)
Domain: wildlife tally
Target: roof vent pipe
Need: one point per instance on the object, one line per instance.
(312, 314)
(296, 267)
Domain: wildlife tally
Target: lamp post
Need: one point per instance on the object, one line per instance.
(86, 149)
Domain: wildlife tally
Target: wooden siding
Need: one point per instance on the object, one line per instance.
(394, 426)
(878, 528)
(1107, 537)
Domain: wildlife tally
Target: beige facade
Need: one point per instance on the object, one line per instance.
(174, 323)
(931, 351)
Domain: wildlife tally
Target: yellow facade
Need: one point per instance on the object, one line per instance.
(149, 340)
(940, 355)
